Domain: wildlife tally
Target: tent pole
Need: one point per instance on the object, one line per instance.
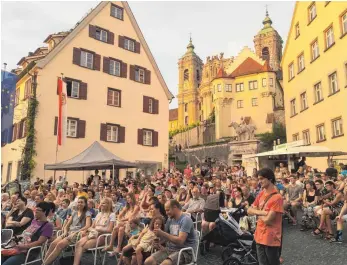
(113, 176)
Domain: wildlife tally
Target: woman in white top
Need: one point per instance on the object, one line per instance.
(102, 224)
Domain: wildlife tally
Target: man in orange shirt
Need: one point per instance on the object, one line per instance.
(268, 207)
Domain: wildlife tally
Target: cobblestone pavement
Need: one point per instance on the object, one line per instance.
(300, 248)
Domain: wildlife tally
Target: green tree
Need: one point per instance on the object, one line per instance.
(278, 132)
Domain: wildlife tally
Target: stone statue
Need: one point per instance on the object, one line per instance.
(244, 131)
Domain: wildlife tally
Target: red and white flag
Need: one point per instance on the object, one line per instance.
(62, 115)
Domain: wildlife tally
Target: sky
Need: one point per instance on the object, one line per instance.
(215, 27)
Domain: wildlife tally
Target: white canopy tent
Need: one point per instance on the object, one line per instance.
(299, 151)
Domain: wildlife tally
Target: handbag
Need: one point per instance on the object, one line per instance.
(92, 233)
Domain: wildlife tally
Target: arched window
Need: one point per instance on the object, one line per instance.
(186, 120)
(197, 75)
(265, 54)
(186, 74)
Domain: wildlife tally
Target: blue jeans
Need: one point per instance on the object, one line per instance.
(13, 260)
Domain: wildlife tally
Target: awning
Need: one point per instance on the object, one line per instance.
(94, 157)
(307, 151)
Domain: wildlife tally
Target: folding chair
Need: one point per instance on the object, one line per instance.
(190, 249)
(6, 236)
(42, 249)
(97, 249)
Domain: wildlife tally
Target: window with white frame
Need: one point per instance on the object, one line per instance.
(147, 137)
(303, 99)
(75, 88)
(337, 127)
(329, 37)
(253, 85)
(320, 133)
(239, 87)
(87, 59)
(140, 75)
(71, 128)
(129, 45)
(117, 12)
(112, 133)
(115, 67)
(240, 104)
(101, 34)
(312, 12)
(271, 82)
(314, 50)
(296, 137)
(297, 30)
(333, 83)
(301, 62)
(292, 107)
(306, 137)
(219, 88)
(150, 105)
(291, 71)
(318, 93)
(254, 102)
(228, 88)
(264, 82)
(113, 97)
(344, 23)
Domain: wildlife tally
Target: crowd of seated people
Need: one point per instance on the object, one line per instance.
(150, 218)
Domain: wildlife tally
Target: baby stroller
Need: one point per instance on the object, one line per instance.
(239, 246)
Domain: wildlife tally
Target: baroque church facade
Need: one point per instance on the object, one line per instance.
(244, 88)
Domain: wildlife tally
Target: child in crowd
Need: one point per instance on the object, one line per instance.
(142, 243)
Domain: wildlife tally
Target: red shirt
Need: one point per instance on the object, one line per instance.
(269, 235)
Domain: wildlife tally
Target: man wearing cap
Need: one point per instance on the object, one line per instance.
(268, 207)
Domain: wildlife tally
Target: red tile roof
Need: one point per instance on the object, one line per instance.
(221, 72)
(250, 66)
(173, 114)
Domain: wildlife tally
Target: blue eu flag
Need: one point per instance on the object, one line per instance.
(8, 93)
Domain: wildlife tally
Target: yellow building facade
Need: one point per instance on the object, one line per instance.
(245, 88)
(116, 95)
(315, 77)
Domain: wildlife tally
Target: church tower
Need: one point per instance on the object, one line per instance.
(268, 44)
(189, 73)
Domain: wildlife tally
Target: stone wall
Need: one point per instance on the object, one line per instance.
(196, 136)
(196, 155)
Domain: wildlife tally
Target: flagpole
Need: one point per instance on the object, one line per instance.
(56, 148)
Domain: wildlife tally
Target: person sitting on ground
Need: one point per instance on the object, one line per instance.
(21, 217)
(179, 233)
(142, 244)
(102, 224)
(330, 209)
(35, 235)
(195, 204)
(293, 199)
(310, 200)
(79, 221)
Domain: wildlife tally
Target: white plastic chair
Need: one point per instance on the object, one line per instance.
(40, 255)
(97, 249)
(190, 249)
(198, 220)
(6, 236)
